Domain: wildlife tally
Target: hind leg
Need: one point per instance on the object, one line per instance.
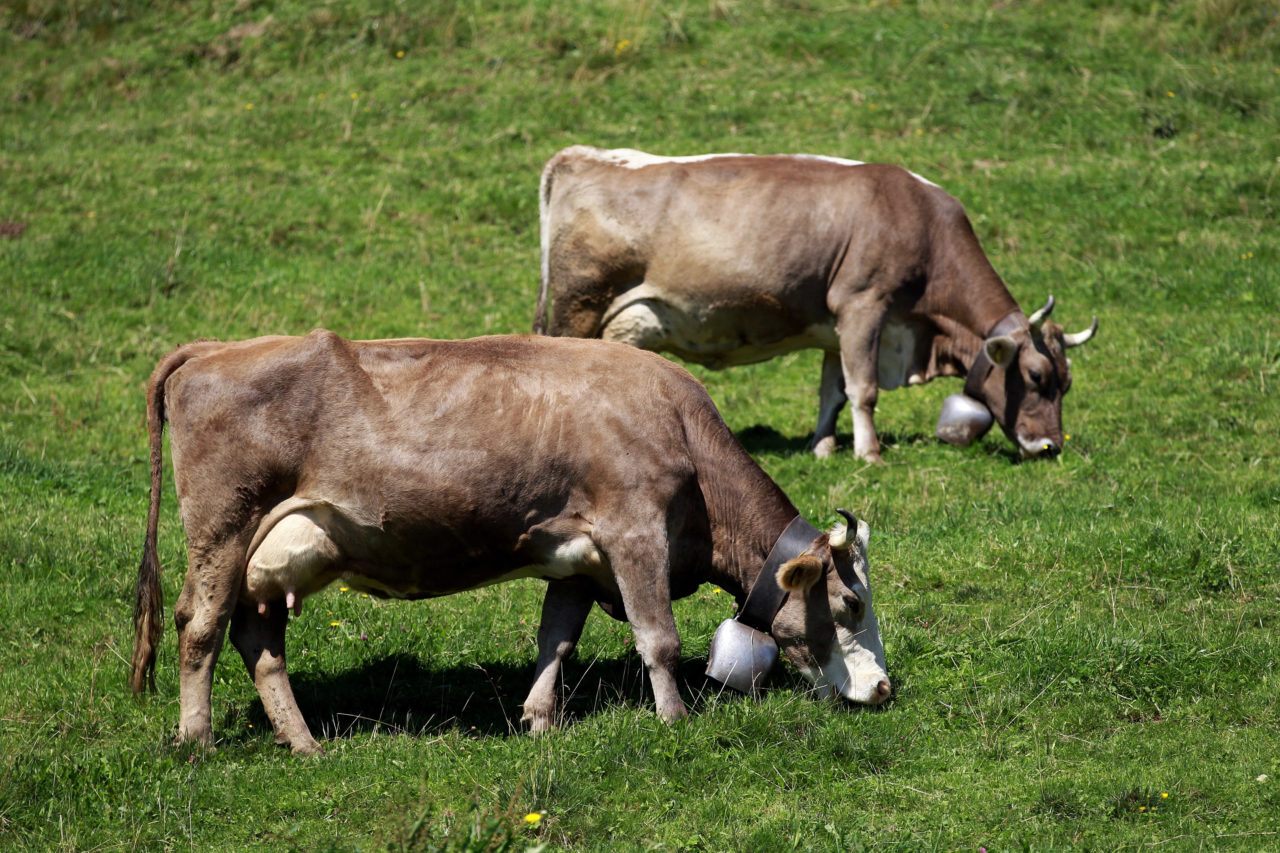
(259, 638)
(564, 612)
(831, 400)
(214, 575)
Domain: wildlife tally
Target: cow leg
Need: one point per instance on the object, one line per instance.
(640, 325)
(859, 354)
(648, 606)
(260, 640)
(564, 612)
(831, 400)
(214, 575)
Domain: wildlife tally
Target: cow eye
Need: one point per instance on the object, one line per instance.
(854, 603)
(1036, 377)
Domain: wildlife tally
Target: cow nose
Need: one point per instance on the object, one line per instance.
(882, 691)
(1038, 448)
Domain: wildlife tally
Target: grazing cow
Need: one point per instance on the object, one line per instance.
(420, 468)
(730, 259)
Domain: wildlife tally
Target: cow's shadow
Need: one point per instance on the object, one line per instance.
(761, 438)
(398, 694)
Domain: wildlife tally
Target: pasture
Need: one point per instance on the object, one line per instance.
(1083, 650)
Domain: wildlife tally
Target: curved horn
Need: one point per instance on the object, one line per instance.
(1079, 338)
(839, 538)
(1036, 319)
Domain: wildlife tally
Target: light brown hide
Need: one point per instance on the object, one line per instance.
(730, 259)
(433, 467)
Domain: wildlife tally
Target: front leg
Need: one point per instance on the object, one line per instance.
(564, 612)
(646, 596)
(259, 638)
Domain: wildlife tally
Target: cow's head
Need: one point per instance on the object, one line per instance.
(1029, 375)
(827, 627)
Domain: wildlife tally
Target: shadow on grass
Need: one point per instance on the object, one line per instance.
(765, 439)
(762, 439)
(397, 694)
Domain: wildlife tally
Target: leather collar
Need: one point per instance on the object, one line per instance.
(982, 366)
(766, 597)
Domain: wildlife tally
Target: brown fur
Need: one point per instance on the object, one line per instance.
(441, 466)
(745, 258)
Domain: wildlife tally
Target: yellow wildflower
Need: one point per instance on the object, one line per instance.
(533, 818)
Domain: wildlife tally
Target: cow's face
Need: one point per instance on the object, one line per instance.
(1031, 374)
(827, 627)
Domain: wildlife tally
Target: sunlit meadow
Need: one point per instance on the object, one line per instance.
(1083, 650)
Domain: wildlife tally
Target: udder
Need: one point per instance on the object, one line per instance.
(296, 559)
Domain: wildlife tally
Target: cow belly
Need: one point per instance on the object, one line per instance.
(896, 365)
(576, 556)
(715, 339)
(301, 555)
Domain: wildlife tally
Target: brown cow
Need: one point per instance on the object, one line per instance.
(419, 468)
(730, 259)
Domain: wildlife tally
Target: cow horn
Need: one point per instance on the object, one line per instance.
(1036, 319)
(839, 537)
(1079, 338)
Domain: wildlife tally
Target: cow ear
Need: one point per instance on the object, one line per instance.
(1001, 350)
(798, 574)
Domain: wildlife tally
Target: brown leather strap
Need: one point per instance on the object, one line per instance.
(982, 366)
(766, 597)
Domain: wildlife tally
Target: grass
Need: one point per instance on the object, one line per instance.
(1070, 641)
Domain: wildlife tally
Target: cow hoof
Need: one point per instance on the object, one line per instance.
(195, 747)
(673, 715)
(824, 448)
(539, 724)
(307, 747)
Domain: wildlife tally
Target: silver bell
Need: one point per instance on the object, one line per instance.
(963, 420)
(741, 657)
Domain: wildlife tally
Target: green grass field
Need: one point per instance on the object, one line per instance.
(1084, 650)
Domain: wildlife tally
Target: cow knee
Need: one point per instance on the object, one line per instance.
(639, 325)
(660, 650)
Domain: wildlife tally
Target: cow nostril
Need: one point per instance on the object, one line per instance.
(882, 690)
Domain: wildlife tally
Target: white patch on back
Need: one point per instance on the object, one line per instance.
(631, 158)
(839, 161)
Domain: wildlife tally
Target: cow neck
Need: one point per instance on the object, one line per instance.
(981, 366)
(766, 597)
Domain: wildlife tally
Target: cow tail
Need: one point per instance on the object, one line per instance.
(148, 602)
(544, 217)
